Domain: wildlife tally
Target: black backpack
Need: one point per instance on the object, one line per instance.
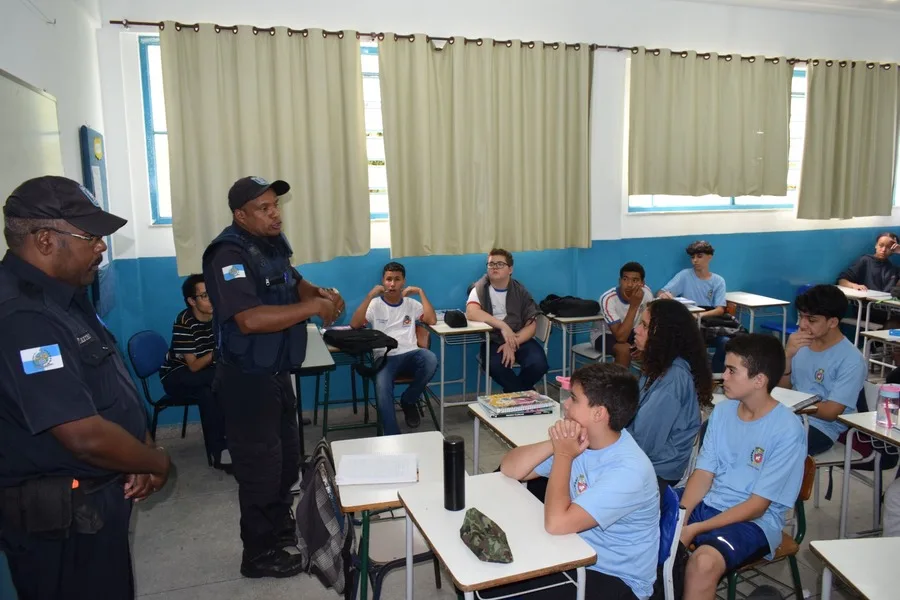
(359, 342)
(569, 306)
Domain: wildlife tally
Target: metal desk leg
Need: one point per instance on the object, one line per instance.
(859, 303)
(582, 583)
(826, 584)
(364, 557)
(409, 558)
(845, 490)
(475, 442)
(783, 325)
(752, 314)
(487, 365)
(443, 360)
(565, 335)
(876, 493)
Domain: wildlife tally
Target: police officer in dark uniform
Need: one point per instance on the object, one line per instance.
(261, 304)
(74, 447)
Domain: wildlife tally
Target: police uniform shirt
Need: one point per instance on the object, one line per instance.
(47, 378)
(230, 283)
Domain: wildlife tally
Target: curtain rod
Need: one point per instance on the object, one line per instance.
(479, 41)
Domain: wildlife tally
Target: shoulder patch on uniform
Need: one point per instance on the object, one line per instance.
(233, 272)
(41, 358)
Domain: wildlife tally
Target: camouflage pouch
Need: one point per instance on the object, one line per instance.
(485, 538)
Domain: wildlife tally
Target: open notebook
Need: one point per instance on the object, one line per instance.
(367, 469)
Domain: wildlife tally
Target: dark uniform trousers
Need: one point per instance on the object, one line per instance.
(264, 441)
(81, 567)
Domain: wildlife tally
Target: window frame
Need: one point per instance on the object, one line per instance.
(732, 205)
(150, 132)
(372, 50)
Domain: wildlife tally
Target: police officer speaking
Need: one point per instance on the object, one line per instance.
(261, 303)
(74, 446)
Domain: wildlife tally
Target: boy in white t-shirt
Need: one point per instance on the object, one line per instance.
(389, 308)
(622, 307)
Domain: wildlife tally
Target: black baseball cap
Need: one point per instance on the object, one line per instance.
(54, 197)
(249, 188)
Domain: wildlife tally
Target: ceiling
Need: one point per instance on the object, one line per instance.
(846, 6)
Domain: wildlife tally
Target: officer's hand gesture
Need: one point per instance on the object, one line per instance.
(336, 300)
(326, 310)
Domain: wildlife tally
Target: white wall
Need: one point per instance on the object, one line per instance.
(60, 58)
(652, 23)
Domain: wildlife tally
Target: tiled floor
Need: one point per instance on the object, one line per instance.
(187, 546)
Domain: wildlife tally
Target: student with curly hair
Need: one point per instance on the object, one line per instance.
(675, 382)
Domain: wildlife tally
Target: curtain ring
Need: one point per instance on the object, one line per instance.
(828, 63)
(196, 27)
(752, 59)
(728, 58)
(479, 42)
(842, 64)
(509, 43)
(161, 26)
(634, 50)
(556, 45)
(656, 52)
(177, 27)
(684, 54)
(217, 29)
(341, 35)
(305, 33)
(395, 37)
(412, 37)
(531, 45)
(290, 32)
(870, 65)
(774, 61)
(706, 56)
(577, 47)
(272, 31)
(255, 30)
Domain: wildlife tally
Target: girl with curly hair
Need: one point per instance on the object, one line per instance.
(676, 381)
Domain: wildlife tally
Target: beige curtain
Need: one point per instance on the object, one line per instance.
(486, 144)
(705, 124)
(277, 106)
(851, 140)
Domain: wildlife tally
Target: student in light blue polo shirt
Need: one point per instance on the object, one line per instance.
(823, 362)
(601, 485)
(704, 287)
(749, 470)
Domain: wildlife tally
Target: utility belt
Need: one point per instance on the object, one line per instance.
(53, 507)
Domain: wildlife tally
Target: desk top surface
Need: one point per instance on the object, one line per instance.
(851, 293)
(517, 431)
(753, 300)
(441, 328)
(864, 563)
(428, 446)
(865, 422)
(789, 398)
(317, 354)
(572, 320)
(881, 334)
(509, 504)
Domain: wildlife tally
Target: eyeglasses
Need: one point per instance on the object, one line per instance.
(202, 296)
(93, 240)
(496, 265)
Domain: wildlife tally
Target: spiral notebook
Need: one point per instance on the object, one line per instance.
(374, 469)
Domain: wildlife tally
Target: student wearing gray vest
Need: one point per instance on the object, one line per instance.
(261, 304)
(503, 303)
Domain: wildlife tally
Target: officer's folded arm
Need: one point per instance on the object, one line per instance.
(104, 444)
(267, 318)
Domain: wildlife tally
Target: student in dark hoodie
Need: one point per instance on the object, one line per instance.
(675, 382)
(875, 271)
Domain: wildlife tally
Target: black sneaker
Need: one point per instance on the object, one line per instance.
(274, 563)
(411, 412)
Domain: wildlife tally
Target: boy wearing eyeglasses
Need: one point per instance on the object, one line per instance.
(503, 303)
(186, 372)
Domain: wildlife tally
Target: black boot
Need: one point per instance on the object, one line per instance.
(273, 563)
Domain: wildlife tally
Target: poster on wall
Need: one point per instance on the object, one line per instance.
(93, 165)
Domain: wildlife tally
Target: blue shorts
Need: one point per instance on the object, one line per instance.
(738, 543)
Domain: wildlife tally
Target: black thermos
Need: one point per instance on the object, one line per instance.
(454, 473)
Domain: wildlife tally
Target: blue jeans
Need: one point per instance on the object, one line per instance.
(532, 367)
(718, 359)
(420, 365)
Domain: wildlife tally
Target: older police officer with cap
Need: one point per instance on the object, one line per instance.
(73, 431)
(261, 305)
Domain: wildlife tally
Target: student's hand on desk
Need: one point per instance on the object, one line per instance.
(568, 438)
(509, 355)
(859, 287)
(509, 336)
(664, 294)
(411, 291)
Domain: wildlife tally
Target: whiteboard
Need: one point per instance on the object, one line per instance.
(29, 130)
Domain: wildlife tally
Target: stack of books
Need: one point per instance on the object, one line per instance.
(516, 404)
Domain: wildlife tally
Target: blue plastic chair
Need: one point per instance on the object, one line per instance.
(147, 353)
(775, 326)
(671, 520)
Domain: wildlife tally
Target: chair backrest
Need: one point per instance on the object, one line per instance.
(669, 524)
(423, 337)
(809, 478)
(542, 331)
(804, 288)
(147, 353)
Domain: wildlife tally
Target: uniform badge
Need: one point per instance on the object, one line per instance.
(820, 375)
(756, 459)
(709, 294)
(580, 485)
(233, 272)
(40, 359)
(406, 321)
(260, 180)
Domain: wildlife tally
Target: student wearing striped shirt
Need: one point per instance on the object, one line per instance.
(187, 372)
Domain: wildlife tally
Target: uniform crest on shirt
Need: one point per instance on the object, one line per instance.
(40, 359)
(709, 294)
(233, 272)
(757, 457)
(407, 320)
(580, 485)
(820, 375)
